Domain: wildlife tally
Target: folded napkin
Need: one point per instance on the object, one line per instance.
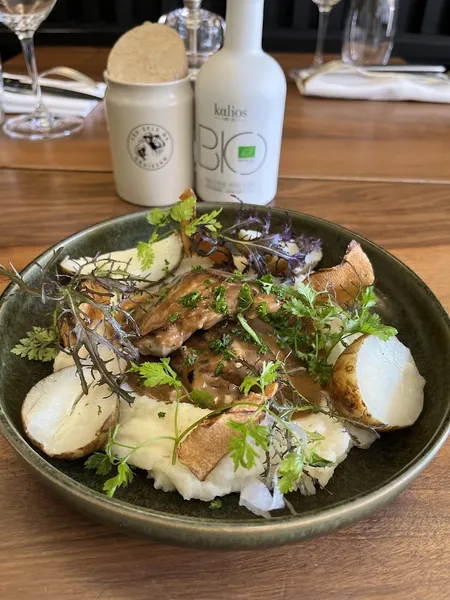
(338, 80)
(59, 106)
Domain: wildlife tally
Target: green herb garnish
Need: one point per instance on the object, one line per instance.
(208, 220)
(270, 372)
(103, 463)
(40, 344)
(246, 327)
(202, 399)
(220, 304)
(152, 374)
(190, 300)
(190, 356)
(245, 299)
(242, 451)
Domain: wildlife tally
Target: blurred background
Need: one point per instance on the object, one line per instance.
(423, 31)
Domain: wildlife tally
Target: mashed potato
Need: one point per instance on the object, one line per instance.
(140, 422)
(144, 420)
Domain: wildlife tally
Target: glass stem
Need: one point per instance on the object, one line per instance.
(324, 15)
(193, 35)
(30, 59)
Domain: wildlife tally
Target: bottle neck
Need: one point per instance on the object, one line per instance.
(244, 25)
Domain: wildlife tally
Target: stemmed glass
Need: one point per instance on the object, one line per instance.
(324, 7)
(23, 17)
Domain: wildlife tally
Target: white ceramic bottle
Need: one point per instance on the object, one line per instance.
(240, 103)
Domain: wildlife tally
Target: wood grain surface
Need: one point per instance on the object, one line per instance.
(322, 138)
(55, 204)
(49, 191)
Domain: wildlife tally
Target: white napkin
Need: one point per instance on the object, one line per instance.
(59, 106)
(337, 80)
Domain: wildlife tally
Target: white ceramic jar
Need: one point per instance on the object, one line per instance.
(151, 138)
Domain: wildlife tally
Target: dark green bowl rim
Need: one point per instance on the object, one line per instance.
(229, 533)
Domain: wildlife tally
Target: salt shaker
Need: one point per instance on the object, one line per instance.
(369, 32)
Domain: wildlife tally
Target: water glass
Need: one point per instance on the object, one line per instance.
(369, 32)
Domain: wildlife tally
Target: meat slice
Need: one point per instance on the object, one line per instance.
(190, 305)
(201, 368)
(205, 447)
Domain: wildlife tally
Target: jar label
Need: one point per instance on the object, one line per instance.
(150, 147)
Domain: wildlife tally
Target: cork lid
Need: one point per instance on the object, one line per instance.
(150, 53)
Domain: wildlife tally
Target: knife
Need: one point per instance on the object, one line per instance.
(20, 87)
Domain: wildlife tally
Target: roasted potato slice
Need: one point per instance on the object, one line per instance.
(347, 279)
(63, 422)
(377, 383)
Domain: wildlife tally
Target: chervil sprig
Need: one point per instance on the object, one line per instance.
(152, 374)
(180, 218)
(40, 344)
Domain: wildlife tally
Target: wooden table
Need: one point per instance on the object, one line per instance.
(380, 169)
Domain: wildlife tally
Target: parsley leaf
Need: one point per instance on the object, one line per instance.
(266, 282)
(216, 504)
(190, 356)
(161, 415)
(270, 373)
(219, 369)
(123, 479)
(100, 463)
(146, 255)
(190, 300)
(220, 303)
(202, 399)
(249, 382)
(241, 445)
(290, 471)
(158, 217)
(208, 220)
(184, 210)
(40, 344)
(152, 374)
(173, 317)
(220, 346)
(245, 299)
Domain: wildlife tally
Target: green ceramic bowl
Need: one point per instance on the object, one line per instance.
(363, 483)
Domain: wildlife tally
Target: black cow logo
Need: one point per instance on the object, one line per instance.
(150, 147)
(155, 142)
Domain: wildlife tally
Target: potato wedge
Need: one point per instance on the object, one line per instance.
(168, 254)
(377, 383)
(64, 423)
(347, 279)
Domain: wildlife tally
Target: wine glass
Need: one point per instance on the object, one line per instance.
(23, 17)
(324, 7)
